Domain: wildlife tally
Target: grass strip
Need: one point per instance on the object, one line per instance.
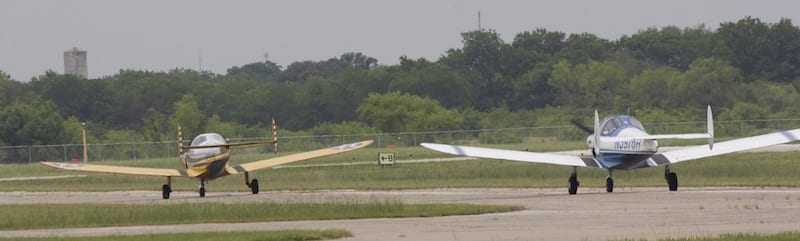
(280, 235)
(741, 169)
(786, 236)
(43, 216)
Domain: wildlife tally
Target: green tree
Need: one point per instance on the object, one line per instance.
(648, 89)
(344, 128)
(760, 50)
(532, 90)
(358, 60)
(216, 125)
(595, 85)
(534, 49)
(261, 71)
(436, 81)
(155, 126)
(485, 54)
(73, 95)
(709, 81)
(669, 45)
(188, 116)
(35, 123)
(73, 131)
(394, 112)
(10, 90)
(585, 47)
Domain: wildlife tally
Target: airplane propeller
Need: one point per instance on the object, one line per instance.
(581, 126)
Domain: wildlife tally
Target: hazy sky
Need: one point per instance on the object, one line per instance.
(159, 35)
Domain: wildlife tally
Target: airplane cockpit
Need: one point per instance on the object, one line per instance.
(207, 139)
(611, 126)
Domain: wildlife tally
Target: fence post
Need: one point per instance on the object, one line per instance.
(30, 154)
(741, 128)
(558, 136)
(451, 136)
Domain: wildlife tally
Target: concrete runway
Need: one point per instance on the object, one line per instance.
(550, 214)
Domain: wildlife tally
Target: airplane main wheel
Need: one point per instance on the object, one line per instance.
(202, 192)
(165, 191)
(254, 186)
(573, 185)
(672, 181)
(609, 184)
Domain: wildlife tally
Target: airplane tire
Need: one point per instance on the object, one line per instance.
(202, 192)
(609, 184)
(672, 181)
(573, 185)
(165, 191)
(254, 186)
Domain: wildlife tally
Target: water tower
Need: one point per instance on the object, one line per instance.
(75, 63)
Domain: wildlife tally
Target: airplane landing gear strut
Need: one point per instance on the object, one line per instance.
(609, 182)
(202, 187)
(253, 185)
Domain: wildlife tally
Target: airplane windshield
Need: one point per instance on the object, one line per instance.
(635, 123)
(612, 125)
(198, 140)
(209, 139)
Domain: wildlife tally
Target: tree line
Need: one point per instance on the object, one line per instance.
(747, 69)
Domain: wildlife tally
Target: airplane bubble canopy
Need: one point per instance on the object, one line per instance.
(613, 125)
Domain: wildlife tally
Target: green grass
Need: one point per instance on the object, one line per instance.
(42, 216)
(742, 169)
(282, 235)
(787, 236)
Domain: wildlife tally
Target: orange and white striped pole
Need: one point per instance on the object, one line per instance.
(274, 136)
(85, 148)
(180, 147)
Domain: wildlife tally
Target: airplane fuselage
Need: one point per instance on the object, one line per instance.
(210, 163)
(621, 145)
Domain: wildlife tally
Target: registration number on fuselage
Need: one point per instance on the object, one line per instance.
(628, 145)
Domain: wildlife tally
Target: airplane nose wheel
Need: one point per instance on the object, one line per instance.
(573, 181)
(609, 182)
(672, 179)
(165, 191)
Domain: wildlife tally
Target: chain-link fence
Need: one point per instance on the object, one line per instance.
(165, 149)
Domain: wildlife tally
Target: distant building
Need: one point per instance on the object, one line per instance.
(75, 63)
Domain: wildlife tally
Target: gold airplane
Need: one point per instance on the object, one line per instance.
(207, 158)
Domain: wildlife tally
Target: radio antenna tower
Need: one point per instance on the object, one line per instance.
(199, 60)
(479, 21)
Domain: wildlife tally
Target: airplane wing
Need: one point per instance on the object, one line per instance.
(725, 147)
(256, 165)
(162, 172)
(511, 155)
(680, 136)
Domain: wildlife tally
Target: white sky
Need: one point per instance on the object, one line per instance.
(159, 35)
